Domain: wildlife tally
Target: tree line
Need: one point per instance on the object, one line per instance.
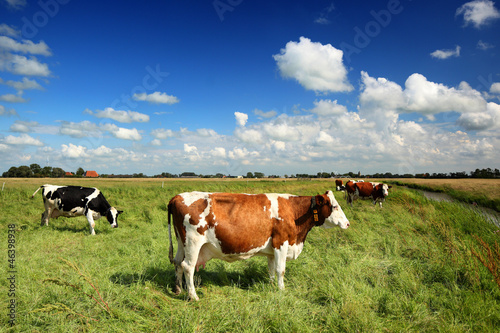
(35, 170)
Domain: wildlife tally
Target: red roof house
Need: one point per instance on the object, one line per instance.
(91, 173)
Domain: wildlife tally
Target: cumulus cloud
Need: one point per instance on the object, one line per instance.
(25, 46)
(11, 98)
(5, 112)
(241, 118)
(156, 98)
(20, 65)
(189, 149)
(268, 114)
(20, 86)
(326, 107)
(162, 133)
(445, 54)
(420, 95)
(123, 133)
(73, 151)
(315, 66)
(23, 139)
(7, 30)
(23, 126)
(484, 46)
(495, 88)
(478, 13)
(488, 119)
(120, 116)
(16, 4)
(79, 130)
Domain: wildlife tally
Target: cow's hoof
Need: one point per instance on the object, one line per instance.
(177, 290)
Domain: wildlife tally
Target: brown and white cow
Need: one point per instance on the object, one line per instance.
(339, 185)
(232, 227)
(365, 190)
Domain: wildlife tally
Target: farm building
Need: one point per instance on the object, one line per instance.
(91, 174)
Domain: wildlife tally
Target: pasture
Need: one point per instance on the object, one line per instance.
(411, 266)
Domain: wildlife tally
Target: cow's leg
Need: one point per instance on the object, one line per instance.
(189, 265)
(45, 218)
(280, 263)
(272, 268)
(179, 272)
(90, 218)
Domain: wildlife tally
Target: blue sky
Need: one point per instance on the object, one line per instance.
(232, 86)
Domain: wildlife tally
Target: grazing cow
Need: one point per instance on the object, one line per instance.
(339, 185)
(232, 227)
(365, 190)
(70, 201)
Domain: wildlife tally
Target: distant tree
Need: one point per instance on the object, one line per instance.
(36, 169)
(258, 174)
(24, 171)
(47, 171)
(249, 175)
(58, 173)
(80, 172)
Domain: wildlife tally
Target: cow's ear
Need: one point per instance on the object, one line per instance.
(120, 211)
(320, 200)
(390, 186)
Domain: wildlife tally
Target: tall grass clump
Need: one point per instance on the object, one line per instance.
(413, 266)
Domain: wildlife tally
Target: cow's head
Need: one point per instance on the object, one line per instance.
(330, 210)
(382, 190)
(112, 216)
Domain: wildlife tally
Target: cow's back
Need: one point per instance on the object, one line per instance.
(70, 197)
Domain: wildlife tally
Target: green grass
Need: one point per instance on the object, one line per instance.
(406, 267)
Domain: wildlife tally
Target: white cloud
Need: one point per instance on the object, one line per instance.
(20, 65)
(156, 98)
(123, 133)
(324, 139)
(428, 97)
(241, 118)
(218, 152)
(16, 4)
(484, 46)
(315, 66)
(120, 116)
(73, 151)
(23, 139)
(25, 46)
(251, 136)
(5, 112)
(420, 95)
(25, 84)
(23, 126)
(478, 12)
(326, 107)
(495, 88)
(268, 114)
(80, 130)
(7, 30)
(488, 119)
(11, 98)
(445, 54)
(162, 134)
(189, 149)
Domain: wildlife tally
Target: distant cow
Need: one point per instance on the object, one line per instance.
(70, 201)
(339, 185)
(232, 227)
(364, 190)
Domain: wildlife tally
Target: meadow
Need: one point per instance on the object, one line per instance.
(412, 266)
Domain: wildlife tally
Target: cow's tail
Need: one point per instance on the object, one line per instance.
(171, 247)
(38, 189)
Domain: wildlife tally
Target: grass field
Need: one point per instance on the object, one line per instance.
(409, 267)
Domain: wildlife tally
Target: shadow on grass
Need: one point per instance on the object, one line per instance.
(164, 279)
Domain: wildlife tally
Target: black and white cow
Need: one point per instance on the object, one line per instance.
(70, 201)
